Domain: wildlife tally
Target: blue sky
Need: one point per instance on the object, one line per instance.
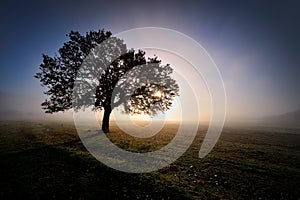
(255, 44)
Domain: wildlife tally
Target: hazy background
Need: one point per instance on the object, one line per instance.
(255, 45)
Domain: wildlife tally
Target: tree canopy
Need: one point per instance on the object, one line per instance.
(106, 75)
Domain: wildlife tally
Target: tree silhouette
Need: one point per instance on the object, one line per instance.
(98, 71)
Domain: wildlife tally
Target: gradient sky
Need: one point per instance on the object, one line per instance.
(255, 45)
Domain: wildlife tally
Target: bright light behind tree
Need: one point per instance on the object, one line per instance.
(157, 94)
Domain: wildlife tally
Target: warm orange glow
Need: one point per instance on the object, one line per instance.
(157, 94)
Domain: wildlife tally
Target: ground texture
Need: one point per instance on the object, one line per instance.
(46, 160)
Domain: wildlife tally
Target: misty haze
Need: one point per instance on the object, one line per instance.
(93, 105)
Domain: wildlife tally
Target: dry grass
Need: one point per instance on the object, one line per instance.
(48, 160)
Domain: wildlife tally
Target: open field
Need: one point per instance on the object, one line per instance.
(47, 160)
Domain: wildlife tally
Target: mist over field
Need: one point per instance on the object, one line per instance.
(253, 47)
(254, 158)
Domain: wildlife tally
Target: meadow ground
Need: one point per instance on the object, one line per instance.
(47, 160)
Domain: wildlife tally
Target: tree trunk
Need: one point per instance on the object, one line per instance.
(105, 121)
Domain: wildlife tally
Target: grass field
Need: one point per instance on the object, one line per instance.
(47, 160)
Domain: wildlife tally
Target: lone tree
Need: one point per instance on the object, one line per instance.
(101, 65)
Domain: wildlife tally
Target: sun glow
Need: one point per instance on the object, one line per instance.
(140, 117)
(157, 94)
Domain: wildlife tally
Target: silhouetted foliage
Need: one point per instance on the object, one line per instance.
(98, 71)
